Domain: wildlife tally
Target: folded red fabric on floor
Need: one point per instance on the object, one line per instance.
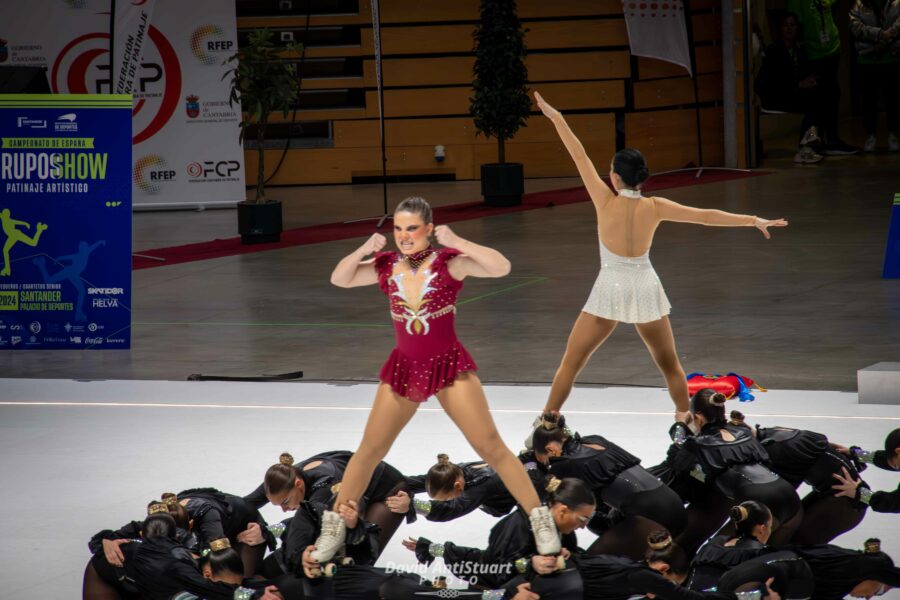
(329, 232)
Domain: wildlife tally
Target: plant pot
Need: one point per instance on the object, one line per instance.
(259, 223)
(502, 184)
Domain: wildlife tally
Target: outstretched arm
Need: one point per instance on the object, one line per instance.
(668, 210)
(598, 190)
(96, 245)
(23, 223)
(477, 261)
(353, 270)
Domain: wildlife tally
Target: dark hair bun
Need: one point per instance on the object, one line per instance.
(443, 459)
(631, 166)
(659, 539)
(642, 174)
(286, 459)
(718, 399)
(739, 514)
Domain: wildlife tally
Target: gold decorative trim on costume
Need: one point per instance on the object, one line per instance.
(417, 323)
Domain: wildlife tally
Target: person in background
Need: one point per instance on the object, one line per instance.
(786, 83)
(875, 25)
(822, 42)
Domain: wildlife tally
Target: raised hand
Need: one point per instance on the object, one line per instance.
(764, 224)
(549, 112)
(445, 237)
(373, 244)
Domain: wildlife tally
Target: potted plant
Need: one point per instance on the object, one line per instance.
(263, 83)
(501, 103)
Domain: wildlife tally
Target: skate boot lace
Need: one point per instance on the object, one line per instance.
(542, 526)
(330, 527)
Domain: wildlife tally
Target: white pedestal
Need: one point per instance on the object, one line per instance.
(879, 383)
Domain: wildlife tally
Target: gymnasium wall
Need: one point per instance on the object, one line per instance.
(578, 59)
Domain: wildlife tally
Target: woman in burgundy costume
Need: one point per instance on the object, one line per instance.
(422, 284)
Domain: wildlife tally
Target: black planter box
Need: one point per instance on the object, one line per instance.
(502, 184)
(259, 223)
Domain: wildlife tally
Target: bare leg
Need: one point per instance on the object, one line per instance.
(390, 414)
(465, 404)
(660, 341)
(588, 333)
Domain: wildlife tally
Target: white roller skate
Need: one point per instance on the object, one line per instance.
(546, 537)
(331, 538)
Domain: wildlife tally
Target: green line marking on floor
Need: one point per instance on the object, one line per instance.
(530, 281)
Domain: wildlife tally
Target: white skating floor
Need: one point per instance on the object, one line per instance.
(80, 456)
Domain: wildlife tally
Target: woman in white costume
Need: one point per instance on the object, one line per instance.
(627, 289)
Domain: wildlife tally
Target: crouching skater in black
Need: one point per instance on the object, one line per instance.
(728, 463)
(317, 479)
(856, 489)
(752, 523)
(640, 502)
(839, 572)
(161, 568)
(348, 577)
(511, 558)
(105, 577)
(802, 456)
(660, 575)
(214, 515)
(786, 573)
(456, 489)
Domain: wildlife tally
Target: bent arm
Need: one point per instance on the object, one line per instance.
(477, 261)
(667, 210)
(353, 271)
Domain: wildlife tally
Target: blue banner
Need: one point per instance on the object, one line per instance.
(892, 252)
(65, 211)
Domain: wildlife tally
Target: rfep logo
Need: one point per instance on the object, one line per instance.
(149, 172)
(208, 43)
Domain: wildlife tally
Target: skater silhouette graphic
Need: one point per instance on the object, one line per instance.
(72, 273)
(13, 235)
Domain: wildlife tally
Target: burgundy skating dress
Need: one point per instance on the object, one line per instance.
(428, 357)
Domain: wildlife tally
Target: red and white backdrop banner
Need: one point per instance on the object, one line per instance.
(656, 29)
(185, 144)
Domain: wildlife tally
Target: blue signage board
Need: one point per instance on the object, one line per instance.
(892, 252)
(65, 211)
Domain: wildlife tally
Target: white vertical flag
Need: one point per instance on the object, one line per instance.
(656, 29)
(132, 23)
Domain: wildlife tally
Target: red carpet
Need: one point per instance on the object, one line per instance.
(444, 214)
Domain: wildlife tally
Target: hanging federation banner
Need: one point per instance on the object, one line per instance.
(65, 211)
(185, 133)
